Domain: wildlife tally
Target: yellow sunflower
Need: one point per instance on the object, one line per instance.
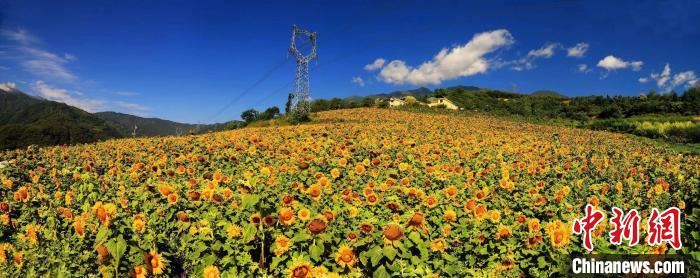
(155, 262)
(299, 268)
(345, 257)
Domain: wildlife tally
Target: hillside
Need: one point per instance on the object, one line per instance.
(125, 123)
(547, 93)
(375, 185)
(26, 120)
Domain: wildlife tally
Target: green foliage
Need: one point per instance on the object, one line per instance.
(250, 115)
(31, 121)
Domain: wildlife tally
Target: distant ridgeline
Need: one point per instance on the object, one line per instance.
(668, 115)
(28, 120)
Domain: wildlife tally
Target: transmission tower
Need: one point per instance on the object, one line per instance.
(300, 96)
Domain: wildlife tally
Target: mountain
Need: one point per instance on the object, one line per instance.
(27, 120)
(547, 93)
(125, 123)
(420, 92)
(465, 88)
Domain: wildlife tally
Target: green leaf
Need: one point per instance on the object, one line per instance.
(375, 254)
(415, 237)
(299, 237)
(315, 251)
(389, 252)
(449, 257)
(381, 273)
(249, 201)
(101, 236)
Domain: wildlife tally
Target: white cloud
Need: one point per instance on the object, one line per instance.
(132, 108)
(459, 61)
(62, 95)
(583, 68)
(686, 78)
(663, 77)
(612, 63)
(643, 80)
(546, 51)
(377, 64)
(8, 86)
(38, 61)
(358, 80)
(69, 57)
(577, 50)
(528, 62)
(668, 81)
(20, 35)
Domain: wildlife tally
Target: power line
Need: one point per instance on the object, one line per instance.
(251, 87)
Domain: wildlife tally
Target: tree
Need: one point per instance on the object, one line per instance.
(249, 115)
(288, 105)
(270, 113)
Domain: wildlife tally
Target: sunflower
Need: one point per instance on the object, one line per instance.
(480, 212)
(255, 218)
(155, 262)
(353, 212)
(533, 224)
(469, 205)
(366, 228)
(430, 201)
(314, 191)
(104, 212)
(503, 232)
(403, 166)
(31, 234)
(286, 216)
(22, 194)
(372, 199)
(495, 216)
(172, 198)
(450, 216)
(316, 226)
(282, 245)
(211, 272)
(481, 194)
(451, 192)
(438, 245)
(559, 233)
(392, 233)
(533, 240)
(345, 257)
(79, 226)
(139, 223)
(335, 173)
(233, 231)
(359, 169)
(103, 254)
(139, 272)
(165, 189)
(304, 214)
(299, 268)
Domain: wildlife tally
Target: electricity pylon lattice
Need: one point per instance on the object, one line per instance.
(300, 95)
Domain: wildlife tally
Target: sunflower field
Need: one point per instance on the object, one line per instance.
(357, 193)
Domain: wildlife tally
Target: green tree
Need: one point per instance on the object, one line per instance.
(249, 115)
(270, 113)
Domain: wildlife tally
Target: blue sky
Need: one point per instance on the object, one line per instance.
(206, 61)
